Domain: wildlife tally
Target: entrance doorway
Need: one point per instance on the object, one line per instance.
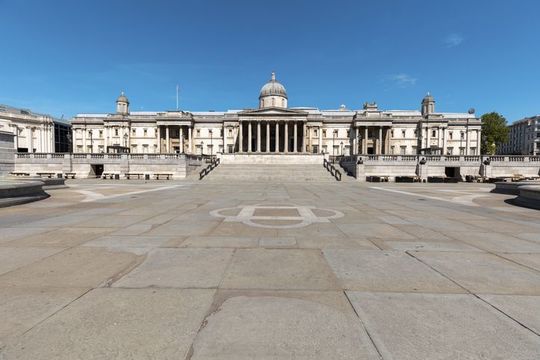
(96, 170)
(452, 172)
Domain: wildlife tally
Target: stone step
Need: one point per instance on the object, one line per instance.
(270, 173)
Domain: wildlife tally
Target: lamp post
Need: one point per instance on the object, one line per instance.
(334, 134)
(91, 142)
(125, 140)
(211, 144)
(341, 148)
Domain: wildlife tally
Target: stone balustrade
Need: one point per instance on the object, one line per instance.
(86, 165)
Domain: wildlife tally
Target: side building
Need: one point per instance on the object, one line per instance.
(523, 138)
(275, 128)
(33, 132)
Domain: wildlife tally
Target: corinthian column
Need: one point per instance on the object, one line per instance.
(240, 137)
(303, 137)
(258, 136)
(277, 137)
(295, 137)
(250, 137)
(267, 137)
(286, 142)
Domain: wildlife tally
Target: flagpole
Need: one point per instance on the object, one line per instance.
(177, 88)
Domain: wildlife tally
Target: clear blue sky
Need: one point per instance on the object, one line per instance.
(68, 57)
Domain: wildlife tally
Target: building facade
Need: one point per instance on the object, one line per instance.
(523, 138)
(276, 128)
(34, 132)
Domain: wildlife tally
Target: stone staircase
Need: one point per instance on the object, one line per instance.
(270, 173)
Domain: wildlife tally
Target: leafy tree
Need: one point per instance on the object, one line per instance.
(494, 132)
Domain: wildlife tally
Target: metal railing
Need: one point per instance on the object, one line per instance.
(332, 169)
(213, 164)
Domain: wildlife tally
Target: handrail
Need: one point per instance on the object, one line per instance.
(213, 164)
(332, 169)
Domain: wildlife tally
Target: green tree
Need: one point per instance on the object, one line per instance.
(494, 132)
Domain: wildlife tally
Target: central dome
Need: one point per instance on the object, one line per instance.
(273, 88)
(273, 94)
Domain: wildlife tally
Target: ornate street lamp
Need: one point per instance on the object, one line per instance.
(211, 144)
(334, 134)
(91, 142)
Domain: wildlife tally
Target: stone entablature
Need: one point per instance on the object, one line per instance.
(278, 129)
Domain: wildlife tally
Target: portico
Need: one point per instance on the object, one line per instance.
(271, 136)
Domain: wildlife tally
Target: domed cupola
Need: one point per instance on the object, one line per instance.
(122, 104)
(428, 105)
(273, 94)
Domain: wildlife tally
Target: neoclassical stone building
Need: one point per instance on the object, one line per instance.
(33, 132)
(276, 128)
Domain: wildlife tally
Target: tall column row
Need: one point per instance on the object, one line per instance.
(167, 147)
(272, 137)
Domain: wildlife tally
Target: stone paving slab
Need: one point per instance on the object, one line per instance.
(497, 242)
(119, 324)
(279, 269)
(429, 246)
(61, 237)
(221, 241)
(520, 307)
(9, 234)
(135, 241)
(78, 267)
(441, 326)
(530, 260)
(179, 268)
(484, 273)
(268, 327)
(386, 271)
(12, 258)
(23, 308)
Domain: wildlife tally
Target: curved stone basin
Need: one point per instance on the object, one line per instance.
(14, 192)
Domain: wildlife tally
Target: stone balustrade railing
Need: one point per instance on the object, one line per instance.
(98, 156)
(442, 158)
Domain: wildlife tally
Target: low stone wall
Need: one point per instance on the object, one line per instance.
(7, 153)
(529, 196)
(85, 165)
(511, 187)
(424, 166)
(272, 159)
(20, 192)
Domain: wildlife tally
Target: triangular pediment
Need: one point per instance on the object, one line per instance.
(272, 111)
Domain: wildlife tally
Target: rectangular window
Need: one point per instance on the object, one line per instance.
(403, 150)
(100, 133)
(115, 132)
(198, 132)
(434, 133)
(450, 135)
(449, 151)
(324, 133)
(145, 132)
(403, 133)
(392, 133)
(414, 149)
(133, 131)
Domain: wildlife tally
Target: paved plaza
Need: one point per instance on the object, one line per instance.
(207, 270)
